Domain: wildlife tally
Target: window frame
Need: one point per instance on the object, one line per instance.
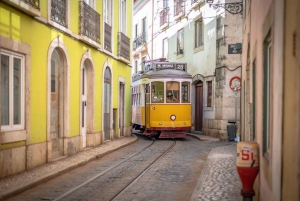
(180, 36)
(267, 93)
(123, 11)
(198, 35)
(209, 93)
(11, 126)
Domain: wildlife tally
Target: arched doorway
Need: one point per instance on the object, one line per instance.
(87, 101)
(107, 103)
(57, 100)
(199, 106)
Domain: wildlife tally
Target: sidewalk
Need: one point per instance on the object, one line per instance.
(218, 181)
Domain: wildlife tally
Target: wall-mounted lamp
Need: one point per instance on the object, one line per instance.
(233, 8)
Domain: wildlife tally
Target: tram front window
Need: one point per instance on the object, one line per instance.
(157, 92)
(172, 92)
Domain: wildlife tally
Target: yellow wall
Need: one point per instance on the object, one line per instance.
(21, 27)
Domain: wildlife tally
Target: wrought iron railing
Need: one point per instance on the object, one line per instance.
(123, 46)
(59, 12)
(140, 40)
(33, 3)
(164, 16)
(107, 37)
(179, 7)
(89, 22)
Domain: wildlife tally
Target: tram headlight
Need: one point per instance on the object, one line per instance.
(160, 123)
(184, 123)
(173, 117)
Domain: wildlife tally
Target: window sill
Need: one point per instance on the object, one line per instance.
(13, 136)
(179, 56)
(198, 49)
(208, 109)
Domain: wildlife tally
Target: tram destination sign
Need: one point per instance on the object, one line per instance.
(169, 65)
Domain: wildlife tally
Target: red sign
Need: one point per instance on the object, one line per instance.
(235, 83)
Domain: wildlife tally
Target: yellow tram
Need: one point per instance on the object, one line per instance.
(161, 100)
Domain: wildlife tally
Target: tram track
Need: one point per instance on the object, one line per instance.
(123, 168)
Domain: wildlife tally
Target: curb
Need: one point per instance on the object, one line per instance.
(23, 187)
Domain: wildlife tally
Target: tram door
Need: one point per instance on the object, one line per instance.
(147, 106)
(107, 105)
(121, 109)
(199, 106)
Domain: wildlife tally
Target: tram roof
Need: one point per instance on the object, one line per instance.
(163, 70)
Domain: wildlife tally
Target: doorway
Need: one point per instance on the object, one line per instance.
(121, 109)
(83, 105)
(107, 103)
(57, 97)
(199, 106)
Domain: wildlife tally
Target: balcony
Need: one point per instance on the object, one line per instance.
(59, 12)
(164, 18)
(30, 7)
(140, 40)
(196, 4)
(107, 37)
(123, 46)
(89, 23)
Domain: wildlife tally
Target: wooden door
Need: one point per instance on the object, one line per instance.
(199, 106)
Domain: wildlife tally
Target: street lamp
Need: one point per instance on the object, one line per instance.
(233, 8)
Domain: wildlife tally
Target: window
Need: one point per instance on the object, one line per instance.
(209, 93)
(143, 63)
(172, 92)
(135, 66)
(178, 7)
(180, 42)
(59, 12)
(90, 3)
(198, 33)
(185, 90)
(12, 76)
(157, 92)
(108, 12)
(123, 16)
(136, 31)
(267, 93)
(165, 3)
(165, 48)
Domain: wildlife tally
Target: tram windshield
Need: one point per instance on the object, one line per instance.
(172, 92)
(157, 92)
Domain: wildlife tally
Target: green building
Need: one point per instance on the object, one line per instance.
(65, 78)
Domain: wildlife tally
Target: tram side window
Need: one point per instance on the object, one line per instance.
(157, 92)
(172, 92)
(185, 88)
(147, 91)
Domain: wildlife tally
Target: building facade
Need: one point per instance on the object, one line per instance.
(270, 100)
(192, 32)
(65, 78)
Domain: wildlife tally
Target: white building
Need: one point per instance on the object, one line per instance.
(192, 32)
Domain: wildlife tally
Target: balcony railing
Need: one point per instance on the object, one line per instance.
(59, 12)
(179, 7)
(164, 16)
(140, 40)
(123, 46)
(107, 37)
(33, 3)
(89, 22)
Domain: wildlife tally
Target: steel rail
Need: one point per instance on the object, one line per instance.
(144, 171)
(100, 174)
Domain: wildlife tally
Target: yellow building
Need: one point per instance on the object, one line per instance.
(65, 78)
